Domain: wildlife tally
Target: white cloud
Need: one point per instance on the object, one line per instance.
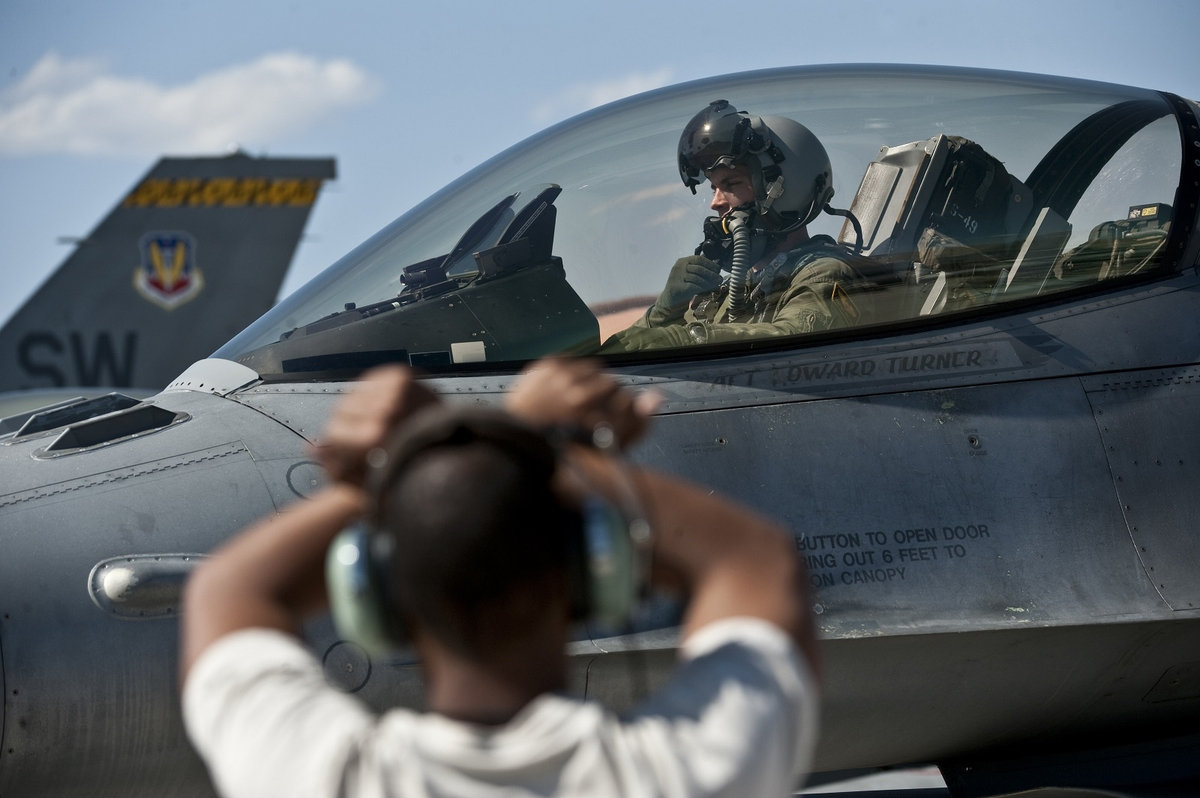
(582, 96)
(77, 106)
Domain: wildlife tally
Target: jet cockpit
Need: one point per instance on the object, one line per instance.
(1004, 188)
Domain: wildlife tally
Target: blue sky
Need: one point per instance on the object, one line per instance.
(407, 96)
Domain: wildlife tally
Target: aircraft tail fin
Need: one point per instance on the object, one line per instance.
(191, 255)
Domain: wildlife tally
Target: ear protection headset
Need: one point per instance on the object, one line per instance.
(607, 565)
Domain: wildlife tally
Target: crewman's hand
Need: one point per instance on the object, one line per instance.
(573, 393)
(364, 418)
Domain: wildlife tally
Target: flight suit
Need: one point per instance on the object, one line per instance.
(807, 289)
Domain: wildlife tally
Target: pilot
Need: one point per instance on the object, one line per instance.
(770, 177)
(482, 504)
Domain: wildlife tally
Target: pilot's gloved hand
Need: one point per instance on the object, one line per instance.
(635, 339)
(689, 276)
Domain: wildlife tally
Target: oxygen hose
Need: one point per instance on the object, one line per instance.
(737, 224)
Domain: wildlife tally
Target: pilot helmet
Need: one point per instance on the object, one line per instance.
(789, 167)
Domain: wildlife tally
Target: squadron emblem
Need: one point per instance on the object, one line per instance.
(168, 275)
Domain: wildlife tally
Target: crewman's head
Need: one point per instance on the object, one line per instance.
(480, 533)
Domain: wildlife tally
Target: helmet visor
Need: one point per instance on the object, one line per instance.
(718, 132)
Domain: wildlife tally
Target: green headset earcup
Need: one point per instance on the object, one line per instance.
(611, 567)
(356, 601)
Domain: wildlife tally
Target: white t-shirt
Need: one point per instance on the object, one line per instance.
(737, 718)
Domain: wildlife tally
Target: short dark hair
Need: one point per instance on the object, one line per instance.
(477, 524)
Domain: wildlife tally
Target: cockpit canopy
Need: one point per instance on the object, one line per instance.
(962, 189)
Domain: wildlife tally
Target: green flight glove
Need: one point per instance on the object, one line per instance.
(689, 276)
(637, 339)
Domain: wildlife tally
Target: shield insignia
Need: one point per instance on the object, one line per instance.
(168, 275)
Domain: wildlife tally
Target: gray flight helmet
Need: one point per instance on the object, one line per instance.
(789, 167)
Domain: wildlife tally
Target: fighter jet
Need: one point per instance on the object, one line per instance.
(991, 473)
(192, 254)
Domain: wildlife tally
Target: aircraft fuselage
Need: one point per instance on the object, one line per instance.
(1050, 567)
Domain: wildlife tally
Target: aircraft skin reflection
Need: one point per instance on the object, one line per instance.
(992, 483)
